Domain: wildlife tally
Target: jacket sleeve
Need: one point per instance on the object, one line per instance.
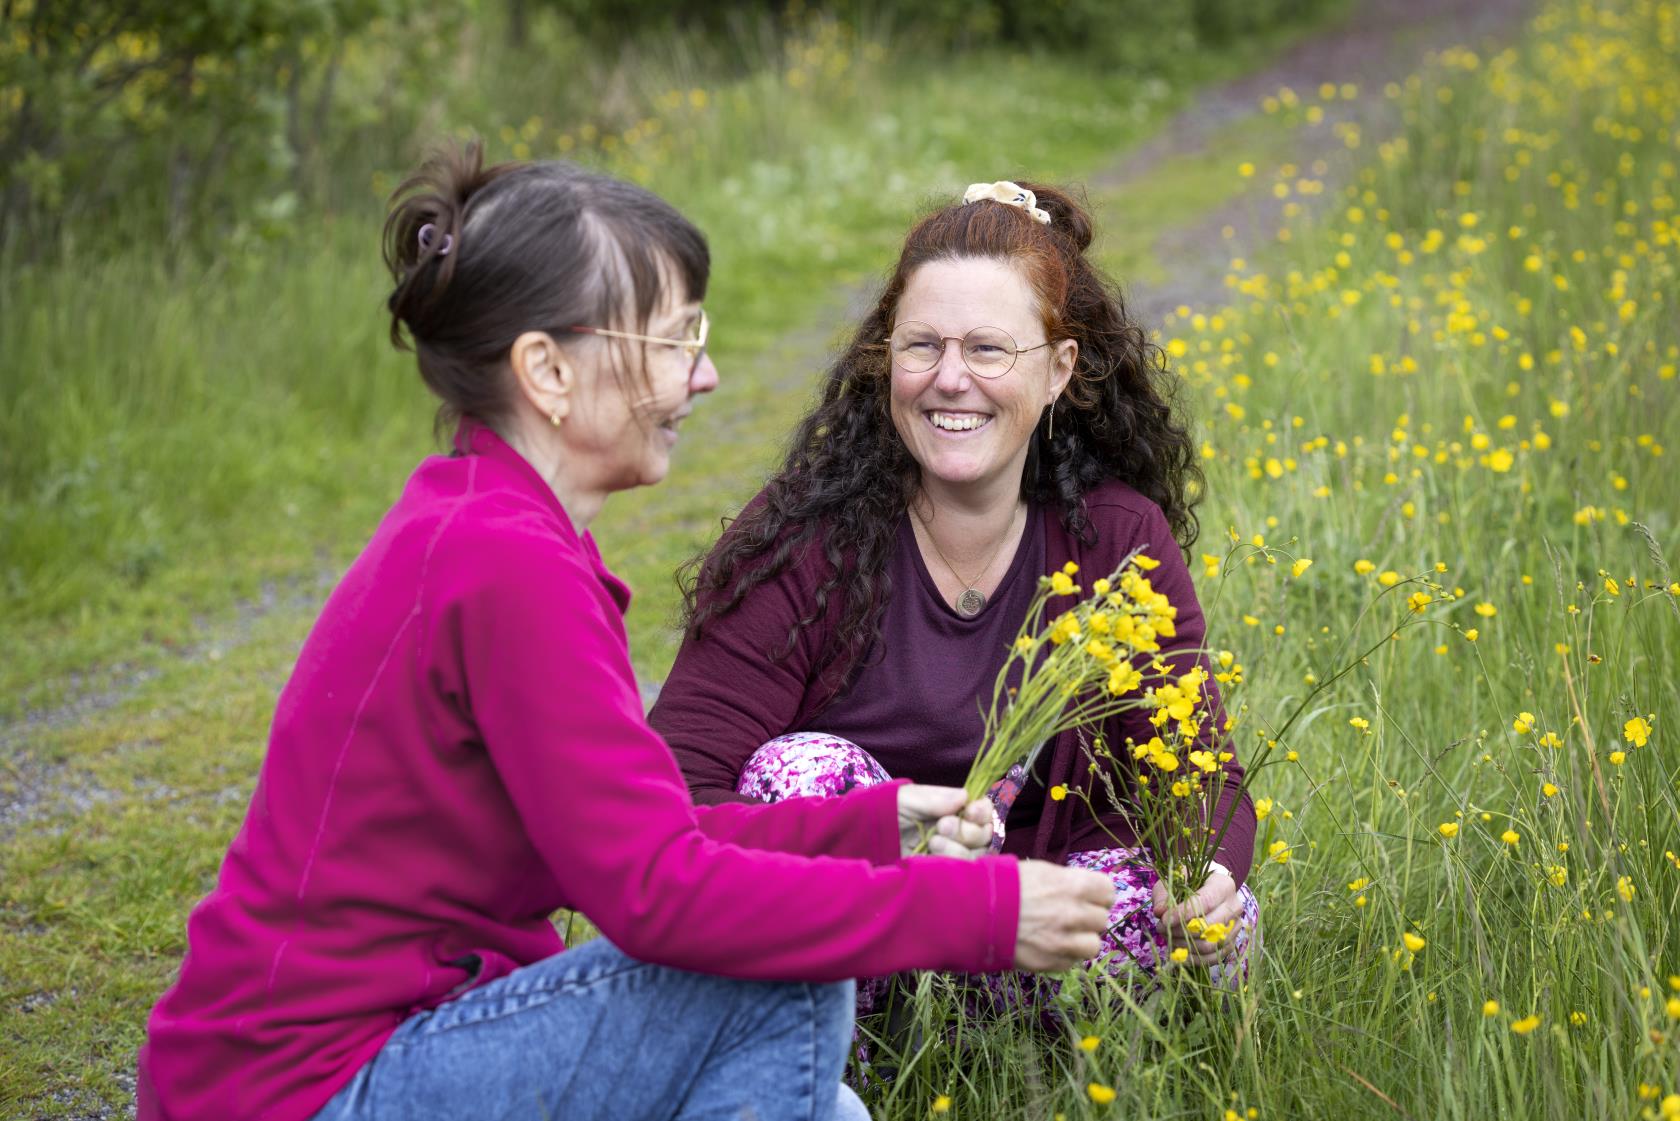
(733, 689)
(1181, 653)
(862, 825)
(542, 660)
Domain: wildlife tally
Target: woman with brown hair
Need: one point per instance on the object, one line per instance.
(995, 416)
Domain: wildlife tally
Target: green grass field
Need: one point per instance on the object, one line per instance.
(1456, 381)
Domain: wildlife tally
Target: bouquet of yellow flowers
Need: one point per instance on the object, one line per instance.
(1092, 661)
(1075, 670)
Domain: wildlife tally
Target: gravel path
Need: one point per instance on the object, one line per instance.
(1379, 41)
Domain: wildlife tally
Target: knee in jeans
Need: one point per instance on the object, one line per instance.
(835, 1003)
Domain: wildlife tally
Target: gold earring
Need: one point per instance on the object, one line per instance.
(554, 418)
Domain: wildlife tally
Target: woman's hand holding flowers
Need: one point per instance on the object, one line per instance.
(1064, 913)
(1204, 926)
(938, 816)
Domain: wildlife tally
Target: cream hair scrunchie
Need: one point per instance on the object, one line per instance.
(1009, 193)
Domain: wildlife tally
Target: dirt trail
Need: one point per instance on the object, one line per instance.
(1377, 42)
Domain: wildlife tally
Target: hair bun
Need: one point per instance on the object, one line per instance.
(1069, 216)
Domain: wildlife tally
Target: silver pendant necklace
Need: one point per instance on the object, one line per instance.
(972, 600)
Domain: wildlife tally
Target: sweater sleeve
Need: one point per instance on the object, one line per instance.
(1181, 653)
(732, 690)
(545, 672)
(862, 825)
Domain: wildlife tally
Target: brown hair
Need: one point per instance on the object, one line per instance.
(848, 477)
(519, 247)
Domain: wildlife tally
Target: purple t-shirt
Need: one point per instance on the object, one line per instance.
(741, 684)
(916, 704)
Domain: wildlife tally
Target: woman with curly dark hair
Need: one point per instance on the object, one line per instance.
(995, 416)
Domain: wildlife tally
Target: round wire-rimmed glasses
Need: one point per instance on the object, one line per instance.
(988, 352)
(694, 347)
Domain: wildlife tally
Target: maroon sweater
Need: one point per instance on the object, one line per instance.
(726, 694)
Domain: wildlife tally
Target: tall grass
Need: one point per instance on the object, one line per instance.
(1459, 380)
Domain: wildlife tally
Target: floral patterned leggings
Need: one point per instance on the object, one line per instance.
(814, 764)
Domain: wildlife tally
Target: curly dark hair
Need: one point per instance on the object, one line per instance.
(847, 477)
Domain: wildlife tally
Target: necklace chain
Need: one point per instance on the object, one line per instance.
(973, 600)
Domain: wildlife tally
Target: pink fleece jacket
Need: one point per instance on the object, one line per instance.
(460, 751)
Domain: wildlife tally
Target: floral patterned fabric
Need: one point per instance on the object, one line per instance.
(813, 764)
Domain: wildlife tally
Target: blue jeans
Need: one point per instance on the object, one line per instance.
(590, 1033)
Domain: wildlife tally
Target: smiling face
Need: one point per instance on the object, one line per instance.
(624, 426)
(971, 434)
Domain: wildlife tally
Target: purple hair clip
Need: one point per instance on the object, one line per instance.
(428, 232)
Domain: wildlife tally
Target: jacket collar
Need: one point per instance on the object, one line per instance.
(474, 437)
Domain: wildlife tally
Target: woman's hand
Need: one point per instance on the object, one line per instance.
(939, 814)
(1064, 914)
(1216, 902)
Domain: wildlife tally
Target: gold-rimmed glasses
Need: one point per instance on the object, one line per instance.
(694, 347)
(988, 352)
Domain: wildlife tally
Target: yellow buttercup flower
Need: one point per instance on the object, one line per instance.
(1510, 836)
(1448, 829)
(1058, 792)
(1099, 1093)
(941, 1104)
(1636, 731)
(1490, 1008)
(1123, 678)
(1090, 1043)
(1414, 942)
(1523, 724)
